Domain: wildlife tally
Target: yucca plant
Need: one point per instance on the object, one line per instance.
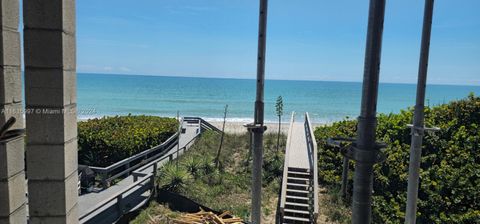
(272, 167)
(173, 178)
(207, 164)
(193, 165)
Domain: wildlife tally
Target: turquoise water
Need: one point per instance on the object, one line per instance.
(100, 95)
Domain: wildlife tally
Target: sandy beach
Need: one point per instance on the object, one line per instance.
(238, 128)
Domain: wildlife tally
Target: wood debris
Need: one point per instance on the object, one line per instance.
(203, 217)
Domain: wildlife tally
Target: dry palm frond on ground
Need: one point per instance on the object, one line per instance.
(201, 217)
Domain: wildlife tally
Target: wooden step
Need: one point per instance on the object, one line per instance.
(292, 213)
(297, 206)
(299, 174)
(297, 199)
(291, 219)
(297, 180)
(296, 186)
(297, 211)
(300, 170)
(298, 191)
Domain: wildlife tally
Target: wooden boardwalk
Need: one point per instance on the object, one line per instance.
(298, 154)
(299, 196)
(98, 207)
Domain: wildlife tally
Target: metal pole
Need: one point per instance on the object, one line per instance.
(367, 122)
(259, 113)
(418, 119)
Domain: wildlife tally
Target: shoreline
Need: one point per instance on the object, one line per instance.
(236, 126)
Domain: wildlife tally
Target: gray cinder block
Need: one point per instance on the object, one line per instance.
(10, 84)
(51, 125)
(51, 15)
(50, 87)
(71, 217)
(18, 216)
(10, 48)
(15, 190)
(11, 158)
(49, 49)
(52, 197)
(9, 10)
(12, 110)
(52, 162)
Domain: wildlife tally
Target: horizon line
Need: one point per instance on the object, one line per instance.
(274, 79)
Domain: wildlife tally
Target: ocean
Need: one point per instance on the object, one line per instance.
(107, 95)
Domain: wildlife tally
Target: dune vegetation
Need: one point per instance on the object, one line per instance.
(450, 168)
(226, 187)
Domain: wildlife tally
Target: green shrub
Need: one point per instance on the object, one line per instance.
(450, 169)
(104, 141)
(272, 166)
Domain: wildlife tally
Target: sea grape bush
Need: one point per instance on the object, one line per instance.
(104, 141)
(450, 169)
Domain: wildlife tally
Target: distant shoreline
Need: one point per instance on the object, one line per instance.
(237, 127)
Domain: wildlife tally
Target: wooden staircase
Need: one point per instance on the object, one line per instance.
(299, 193)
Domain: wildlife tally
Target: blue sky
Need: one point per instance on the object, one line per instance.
(307, 39)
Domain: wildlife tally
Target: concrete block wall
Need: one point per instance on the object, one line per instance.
(50, 89)
(12, 173)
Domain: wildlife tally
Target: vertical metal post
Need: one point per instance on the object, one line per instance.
(365, 144)
(418, 119)
(259, 113)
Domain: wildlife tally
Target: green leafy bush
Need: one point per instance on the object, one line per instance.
(104, 141)
(450, 169)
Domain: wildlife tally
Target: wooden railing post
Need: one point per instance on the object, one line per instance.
(135, 177)
(155, 167)
(127, 167)
(120, 204)
(103, 180)
(343, 188)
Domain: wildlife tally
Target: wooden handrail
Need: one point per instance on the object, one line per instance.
(283, 194)
(203, 123)
(313, 143)
(134, 157)
(136, 166)
(106, 172)
(118, 196)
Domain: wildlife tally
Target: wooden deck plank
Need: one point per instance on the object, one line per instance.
(298, 154)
